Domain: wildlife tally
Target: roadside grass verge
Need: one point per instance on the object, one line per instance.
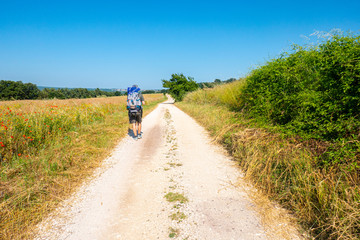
(324, 200)
(49, 148)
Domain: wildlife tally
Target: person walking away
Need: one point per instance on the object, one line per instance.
(135, 100)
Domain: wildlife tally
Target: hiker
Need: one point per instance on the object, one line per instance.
(135, 100)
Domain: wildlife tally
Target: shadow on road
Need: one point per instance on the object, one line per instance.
(131, 132)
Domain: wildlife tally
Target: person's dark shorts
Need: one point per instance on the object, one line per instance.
(135, 117)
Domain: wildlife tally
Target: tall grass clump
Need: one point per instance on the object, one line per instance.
(226, 94)
(47, 148)
(295, 132)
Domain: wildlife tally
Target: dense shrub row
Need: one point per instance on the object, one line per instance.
(312, 91)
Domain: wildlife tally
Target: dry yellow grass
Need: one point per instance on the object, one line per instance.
(224, 127)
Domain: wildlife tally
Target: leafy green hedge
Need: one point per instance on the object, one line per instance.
(314, 91)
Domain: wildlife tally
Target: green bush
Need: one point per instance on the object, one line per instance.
(179, 85)
(313, 91)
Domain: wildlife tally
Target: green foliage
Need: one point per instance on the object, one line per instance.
(10, 90)
(179, 85)
(314, 92)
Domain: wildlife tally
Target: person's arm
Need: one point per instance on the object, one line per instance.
(142, 99)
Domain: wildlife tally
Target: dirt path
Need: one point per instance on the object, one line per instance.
(171, 184)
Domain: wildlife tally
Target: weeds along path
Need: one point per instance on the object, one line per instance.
(171, 184)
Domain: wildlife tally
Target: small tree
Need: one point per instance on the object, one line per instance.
(179, 85)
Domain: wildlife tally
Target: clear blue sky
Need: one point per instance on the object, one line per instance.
(113, 44)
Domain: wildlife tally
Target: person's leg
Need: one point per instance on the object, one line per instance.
(140, 121)
(132, 122)
(134, 129)
(138, 126)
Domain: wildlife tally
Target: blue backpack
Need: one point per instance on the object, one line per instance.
(133, 99)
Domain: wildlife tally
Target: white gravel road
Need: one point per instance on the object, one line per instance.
(126, 197)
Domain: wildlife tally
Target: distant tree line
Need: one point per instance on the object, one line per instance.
(11, 90)
(215, 83)
(65, 93)
(154, 91)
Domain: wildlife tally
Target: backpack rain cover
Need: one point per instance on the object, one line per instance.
(133, 99)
